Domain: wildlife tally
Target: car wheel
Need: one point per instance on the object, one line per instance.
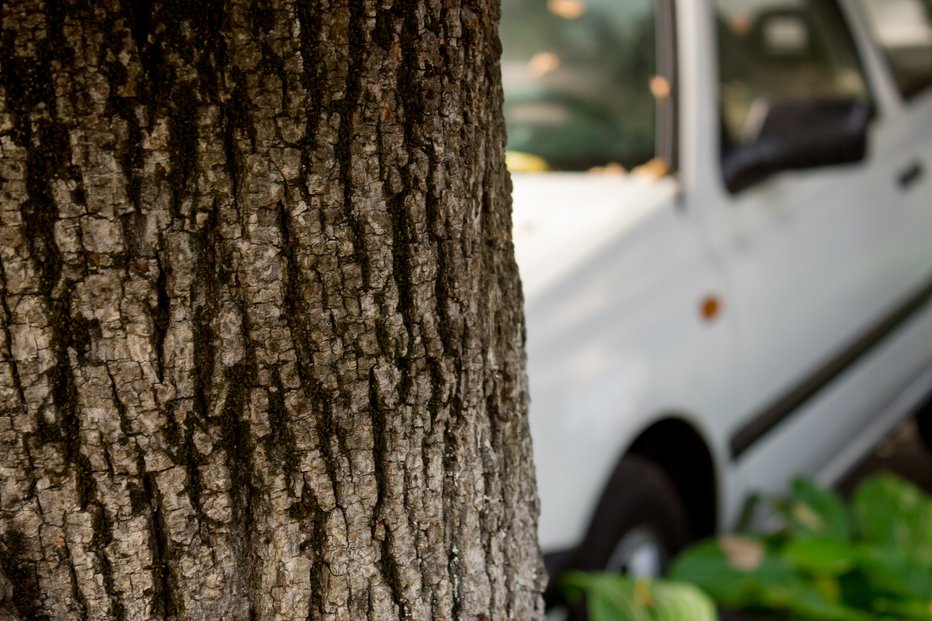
(638, 527)
(640, 524)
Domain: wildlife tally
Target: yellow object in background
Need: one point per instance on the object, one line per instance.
(519, 162)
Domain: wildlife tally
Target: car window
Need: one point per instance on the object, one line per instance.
(781, 51)
(577, 81)
(903, 28)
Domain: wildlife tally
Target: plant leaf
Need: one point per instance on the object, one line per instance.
(893, 512)
(681, 602)
(708, 567)
(820, 557)
(888, 571)
(772, 585)
(609, 597)
(813, 511)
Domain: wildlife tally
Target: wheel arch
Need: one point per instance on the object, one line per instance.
(679, 449)
(681, 452)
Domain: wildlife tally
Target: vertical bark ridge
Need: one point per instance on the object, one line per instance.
(260, 332)
(29, 92)
(390, 412)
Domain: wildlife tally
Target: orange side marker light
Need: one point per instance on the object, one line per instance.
(710, 307)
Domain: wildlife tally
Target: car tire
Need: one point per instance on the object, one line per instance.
(639, 498)
(924, 423)
(640, 506)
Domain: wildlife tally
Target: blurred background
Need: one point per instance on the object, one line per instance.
(722, 218)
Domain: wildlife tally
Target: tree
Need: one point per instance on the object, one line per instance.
(260, 323)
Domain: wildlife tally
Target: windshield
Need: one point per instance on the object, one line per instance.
(577, 76)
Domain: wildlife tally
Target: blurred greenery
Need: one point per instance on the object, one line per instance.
(827, 560)
(611, 597)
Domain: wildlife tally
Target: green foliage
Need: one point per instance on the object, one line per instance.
(812, 512)
(610, 597)
(872, 561)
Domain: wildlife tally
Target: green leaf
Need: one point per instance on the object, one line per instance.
(813, 511)
(820, 557)
(895, 513)
(888, 571)
(771, 585)
(612, 597)
(913, 610)
(609, 597)
(603, 606)
(807, 602)
(708, 567)
(681, 602)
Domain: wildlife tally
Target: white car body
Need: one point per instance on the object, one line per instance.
(649, 298)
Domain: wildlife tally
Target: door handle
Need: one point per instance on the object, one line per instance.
(910, 175)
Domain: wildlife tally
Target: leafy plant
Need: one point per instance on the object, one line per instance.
(828, 561)
(610, 597)
(867, 561)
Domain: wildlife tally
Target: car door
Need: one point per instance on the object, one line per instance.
(806, 248)
(901, 31)
(898, 37)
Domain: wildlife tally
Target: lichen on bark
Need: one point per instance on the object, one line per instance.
(261, 343)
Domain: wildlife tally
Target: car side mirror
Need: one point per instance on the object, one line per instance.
(798, 135)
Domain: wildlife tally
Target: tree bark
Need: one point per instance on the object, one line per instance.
(261, 343)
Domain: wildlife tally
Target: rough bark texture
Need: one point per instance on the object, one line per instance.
(260, 324)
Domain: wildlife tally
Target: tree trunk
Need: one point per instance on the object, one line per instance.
(261, 344)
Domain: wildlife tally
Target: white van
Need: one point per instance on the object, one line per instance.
(723, 220)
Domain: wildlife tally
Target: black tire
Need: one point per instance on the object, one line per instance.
(924, 423)
(639, 496)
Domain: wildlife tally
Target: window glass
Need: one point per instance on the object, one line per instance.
(781, 51)
(577, 77)
(903, 29)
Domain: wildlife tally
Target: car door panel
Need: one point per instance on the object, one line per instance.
(812, 252)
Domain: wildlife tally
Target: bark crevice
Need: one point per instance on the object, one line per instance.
(163, 594)
(20, 572)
